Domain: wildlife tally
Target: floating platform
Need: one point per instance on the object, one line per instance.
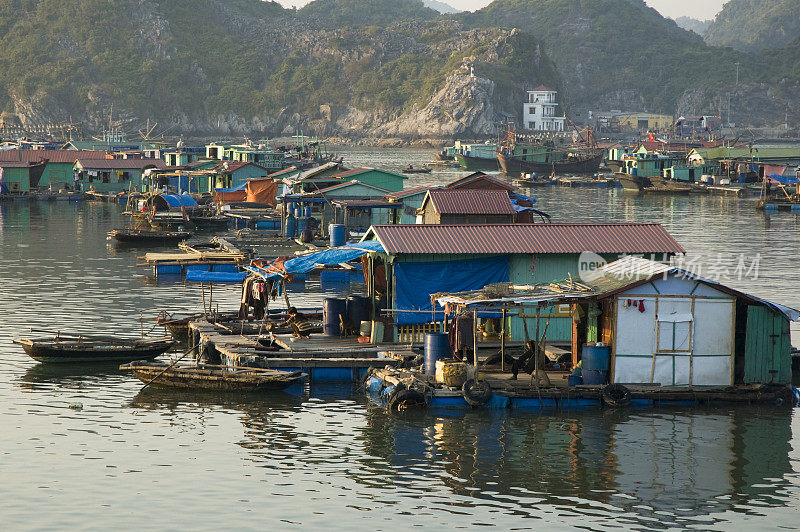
(323, 358)
(384, 384)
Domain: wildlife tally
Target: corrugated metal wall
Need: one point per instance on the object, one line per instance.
(767, 355)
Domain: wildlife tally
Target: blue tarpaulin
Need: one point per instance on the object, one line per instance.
(416, 281)
(216, 277)
(178, 201)
(329, 257)
(783, 180)
(241, 187)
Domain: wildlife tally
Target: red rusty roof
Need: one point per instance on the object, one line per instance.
(53, 156)
(470, 201)
(120, 164)
(625, 238)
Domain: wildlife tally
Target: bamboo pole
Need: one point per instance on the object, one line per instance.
(475, 337)
(148, 383)
(503, 342)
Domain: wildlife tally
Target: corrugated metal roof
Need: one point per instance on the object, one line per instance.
(53, 156)
(120, 164)
(470, 201)
(480, 181)
(408, 192)
(356, 171)
(526, 238)
(347, 184)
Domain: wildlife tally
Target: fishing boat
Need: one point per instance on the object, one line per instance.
(213, 377)
(569, 163)
(145, 236)
(515, 156)
(411, 170)
(61, 349)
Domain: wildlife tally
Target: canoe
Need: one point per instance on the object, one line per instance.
(95, 349)
(217, 378)
(143, 236)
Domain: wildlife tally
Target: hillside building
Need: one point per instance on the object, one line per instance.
(539, 111)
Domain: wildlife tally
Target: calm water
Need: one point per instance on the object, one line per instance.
(166, 460)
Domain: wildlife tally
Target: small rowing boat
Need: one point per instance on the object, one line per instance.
(213, 378)
(92, 349)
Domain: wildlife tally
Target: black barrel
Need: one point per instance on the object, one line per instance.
(437, 347)
(358, 309)
(332, 309)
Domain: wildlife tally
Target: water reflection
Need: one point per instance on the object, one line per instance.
(664, 466)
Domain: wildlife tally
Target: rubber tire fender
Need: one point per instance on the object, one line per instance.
(404, 399)
(616, 395)
(476, 393)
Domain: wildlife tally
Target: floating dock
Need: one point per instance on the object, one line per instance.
(323, 358)
(383, 384)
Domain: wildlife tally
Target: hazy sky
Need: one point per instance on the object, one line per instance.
(702, 9)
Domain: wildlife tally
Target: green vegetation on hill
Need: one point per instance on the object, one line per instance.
(335, 13)
(194, 61)
(754, 25)
(604, 47)
(201, 59)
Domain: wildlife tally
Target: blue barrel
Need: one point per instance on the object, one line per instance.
(332, 308)
(291, 227)
(437, 347)
(337, 235)
(358, 309)
(307, 211)
(595, 357)
(595, 364)
(297, 212)
(301, 225)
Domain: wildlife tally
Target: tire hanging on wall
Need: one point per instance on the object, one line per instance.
(476, 393)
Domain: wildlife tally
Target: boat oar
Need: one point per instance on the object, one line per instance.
(169, 367)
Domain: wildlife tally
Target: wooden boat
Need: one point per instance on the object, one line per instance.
(144, 236)
(580, 165)
(411, 170)
(92, 349)
(213, 377)
(534, 182)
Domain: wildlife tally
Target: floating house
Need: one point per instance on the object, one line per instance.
(421, 260)
(261, 155)
(57, 172)
(15, 176)
(354, 204)
(410, 201)
(232, 174)
(390, 181)
(664, 325)
(479, 181)
(445, 206)
(182, 156)
(113, 175)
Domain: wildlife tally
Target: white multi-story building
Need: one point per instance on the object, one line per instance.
(539, 112)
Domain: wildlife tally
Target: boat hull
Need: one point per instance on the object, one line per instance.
(513, 165)
(59, 352)
(242, 380)
(149, 237)
(476, 163)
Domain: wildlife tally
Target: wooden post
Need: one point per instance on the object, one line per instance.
(475, 336)
(503, 342)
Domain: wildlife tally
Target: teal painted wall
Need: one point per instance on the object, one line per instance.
(57, 173)
(241, 175)
(415, 202)
(383, 179)
(17, 179)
